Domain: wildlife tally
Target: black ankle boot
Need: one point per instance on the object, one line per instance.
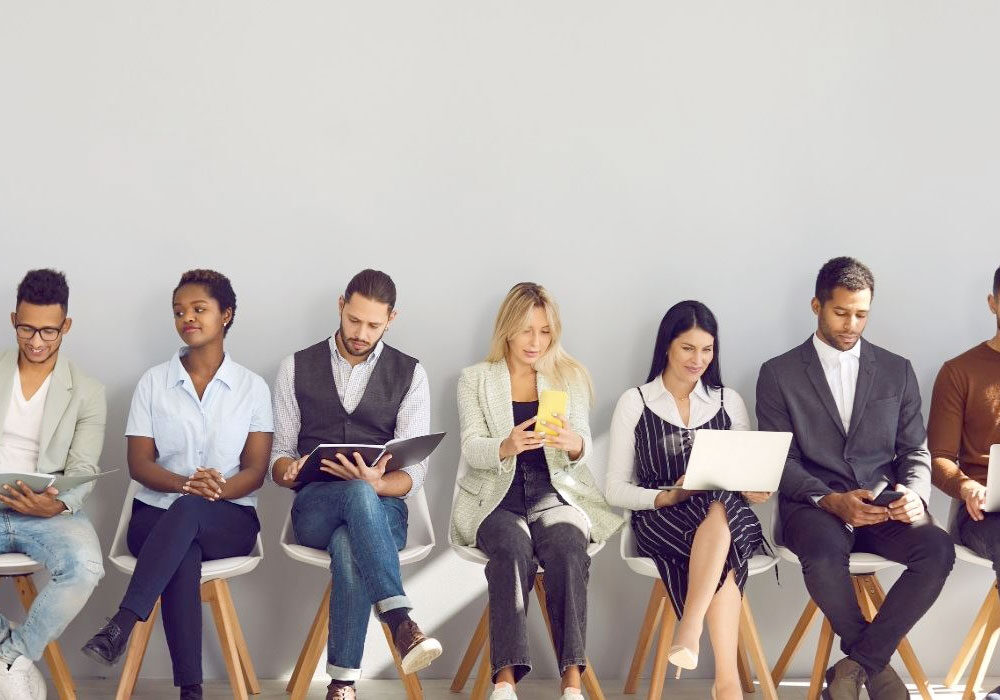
(108, 645)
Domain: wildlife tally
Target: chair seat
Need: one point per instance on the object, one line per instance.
(860, 562)
(16, 564)
(212, 569)
(645, 566)
(478, 556)
(967, 555)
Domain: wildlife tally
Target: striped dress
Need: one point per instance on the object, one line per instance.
(666, 534)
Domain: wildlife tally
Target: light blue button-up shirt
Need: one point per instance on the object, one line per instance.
(190, 432)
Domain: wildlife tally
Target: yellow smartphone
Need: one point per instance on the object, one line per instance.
(550, 402)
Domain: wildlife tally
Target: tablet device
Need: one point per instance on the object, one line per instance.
(736, 460)
(993, 481)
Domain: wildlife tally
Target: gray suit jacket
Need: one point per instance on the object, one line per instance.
(886, 439)
(72, 423)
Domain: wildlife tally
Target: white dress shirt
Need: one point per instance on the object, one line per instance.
(621, 489)
(412, 420)
(190, 432)
(841, 370)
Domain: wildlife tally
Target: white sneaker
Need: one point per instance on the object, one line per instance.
(22, 681)
(503, 691)
(571, 694)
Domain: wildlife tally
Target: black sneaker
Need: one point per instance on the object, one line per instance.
(108, 645)
(191, 692)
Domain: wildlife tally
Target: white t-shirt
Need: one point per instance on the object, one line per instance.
(22, 429)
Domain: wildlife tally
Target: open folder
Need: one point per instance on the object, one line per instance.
(405, 453)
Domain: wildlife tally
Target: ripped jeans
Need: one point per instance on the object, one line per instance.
(68, 547)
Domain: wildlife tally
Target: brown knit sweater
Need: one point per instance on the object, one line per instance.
(965, 417)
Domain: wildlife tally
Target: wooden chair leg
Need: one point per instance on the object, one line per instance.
(655, 608)
(136, 651)
(61, 677)
(246, 663)
(743, 667)
(795, 641)
(589, 677)
(821, 661)
(472, 653)
(972, 639)
(984, 653)
(413, 691)
(212, 593)
(751, 641)
(873, 590)
(659, 673)
(305, 667)
(485, 674)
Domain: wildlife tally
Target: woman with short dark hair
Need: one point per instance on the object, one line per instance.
(199, 440)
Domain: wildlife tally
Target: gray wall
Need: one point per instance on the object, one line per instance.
(627, 155)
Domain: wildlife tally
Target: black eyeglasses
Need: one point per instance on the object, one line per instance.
(26, 332)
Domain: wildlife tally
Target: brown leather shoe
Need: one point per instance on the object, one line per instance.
(844, 680)
(415, 648)
(887, 685)
(339, 691)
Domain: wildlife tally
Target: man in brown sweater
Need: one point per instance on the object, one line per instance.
(964, 423)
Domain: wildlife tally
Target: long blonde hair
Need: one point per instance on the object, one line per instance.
(555, 363)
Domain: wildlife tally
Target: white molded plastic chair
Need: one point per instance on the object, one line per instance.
(660, 611)
(479, 644)
(981, 641)
(862, 566)
(21, 567)
(214, 591)
(419, 543)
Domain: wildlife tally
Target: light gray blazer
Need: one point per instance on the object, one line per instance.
(72, 423)
(487, 418)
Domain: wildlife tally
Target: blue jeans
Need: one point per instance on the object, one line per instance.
(363, 534)
(68, 547)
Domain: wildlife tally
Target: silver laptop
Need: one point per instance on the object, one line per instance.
(736, 460)
(993, 481)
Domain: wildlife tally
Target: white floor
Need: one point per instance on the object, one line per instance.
(392, 690)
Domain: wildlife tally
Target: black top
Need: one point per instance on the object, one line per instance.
(531, 488)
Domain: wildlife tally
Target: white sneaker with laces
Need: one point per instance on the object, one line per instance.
(503, 691)
(22, 681)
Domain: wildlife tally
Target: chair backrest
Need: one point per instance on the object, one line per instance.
(119, 546)
(627, 545)
(956, 505)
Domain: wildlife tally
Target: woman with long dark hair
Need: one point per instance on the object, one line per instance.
(700, 540)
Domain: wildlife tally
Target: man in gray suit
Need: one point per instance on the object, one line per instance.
(854, 409)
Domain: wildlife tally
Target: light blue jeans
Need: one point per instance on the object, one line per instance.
(363, 534)
(68, 547)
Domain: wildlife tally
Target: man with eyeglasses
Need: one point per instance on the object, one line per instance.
(51, 422)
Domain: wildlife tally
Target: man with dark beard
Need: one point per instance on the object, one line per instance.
(854, 410)
(354, 389)
(964, 423)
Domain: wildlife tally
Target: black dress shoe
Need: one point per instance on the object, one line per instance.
(191, 692)
(108, 645)
(993, 694)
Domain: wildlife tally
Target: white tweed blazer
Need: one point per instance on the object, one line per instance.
(486, 416)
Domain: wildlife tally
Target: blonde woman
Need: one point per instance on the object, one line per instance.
(529, 499)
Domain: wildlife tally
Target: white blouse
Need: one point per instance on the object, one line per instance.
(621, 490)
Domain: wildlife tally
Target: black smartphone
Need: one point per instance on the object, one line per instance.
(886, 497)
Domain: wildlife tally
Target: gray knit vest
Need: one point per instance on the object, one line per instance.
(324, 418)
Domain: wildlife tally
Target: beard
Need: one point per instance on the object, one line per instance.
(360, 353)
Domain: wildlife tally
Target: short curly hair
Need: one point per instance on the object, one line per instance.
(44, 287)
(849, 273)
(219, 288)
